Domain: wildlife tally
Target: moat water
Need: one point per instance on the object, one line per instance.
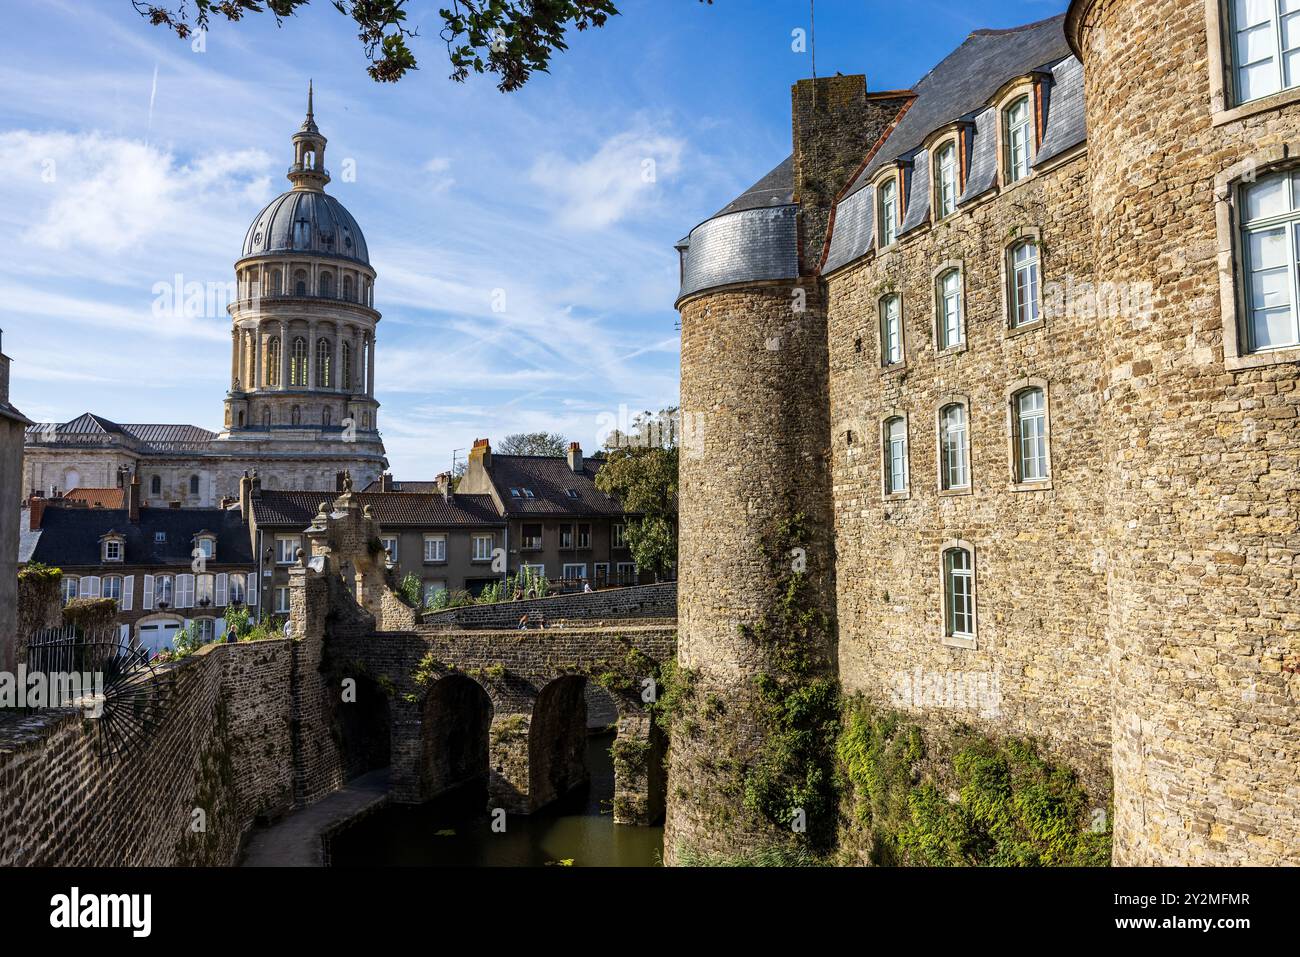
(455, 830)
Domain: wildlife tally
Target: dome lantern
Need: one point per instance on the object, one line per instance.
(308, 170)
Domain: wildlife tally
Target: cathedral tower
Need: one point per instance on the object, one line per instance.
(302, 369)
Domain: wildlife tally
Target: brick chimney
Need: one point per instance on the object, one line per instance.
(4, 375)
(133, 499)
(339, 479)
(36, 511)
(477, 479)
(444, 486)
(575, 457)
(386, 482)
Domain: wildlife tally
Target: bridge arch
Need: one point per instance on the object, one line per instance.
(455, 719)
(557, 740)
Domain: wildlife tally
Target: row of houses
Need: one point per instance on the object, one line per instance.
(173, 568)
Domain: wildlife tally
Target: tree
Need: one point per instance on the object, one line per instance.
(641, 471)
(511, 38)
(534, 443)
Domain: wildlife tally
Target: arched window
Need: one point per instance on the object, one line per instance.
(324, 353)
(959, 594)
(948, 295)
(241, 420)
(895, 455)
(295, 416)
(1022, 266)
(298, 362)
(300, 283)
(155, 485)
(891, 330)
(345, 366)
(347, 288)
(887, 211)
(945, 180)
(277, 282)
(194, 485)
(273, 361)
(1029, 414)
(1270, 215)
(1018, 135)
(326, 284)
(954, 448)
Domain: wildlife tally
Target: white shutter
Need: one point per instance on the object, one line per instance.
(223, 583)
(146, 600)
(128, 592)
(184, 591)
(251, 597)
(124, 633)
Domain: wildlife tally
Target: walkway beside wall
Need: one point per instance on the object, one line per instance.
(296, 840)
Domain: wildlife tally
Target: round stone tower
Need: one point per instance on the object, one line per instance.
(302, 371)
(1200, 435)
(756, 639)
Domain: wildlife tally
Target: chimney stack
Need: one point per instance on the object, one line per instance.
(444, 486)
(575, 457)
(255, 487)
(386, 482)
(36, 511)
(338, 481)
(476, 480)
(133, 499)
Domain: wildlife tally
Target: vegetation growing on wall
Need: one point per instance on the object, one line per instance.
(962, 798)
(90, 615)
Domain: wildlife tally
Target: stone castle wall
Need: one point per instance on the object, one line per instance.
(637, 601)
(221, 749)
(1199, 456)
(1039, 665)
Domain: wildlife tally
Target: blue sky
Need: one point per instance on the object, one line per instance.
(128, 159)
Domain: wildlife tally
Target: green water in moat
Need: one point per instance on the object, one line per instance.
(456, 831)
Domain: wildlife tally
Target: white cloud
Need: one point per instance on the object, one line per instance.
(612, 183)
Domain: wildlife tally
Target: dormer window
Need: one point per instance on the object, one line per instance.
(887, 211)
(1018, 134)
(528, 493)
(514, 493)
(159, 538)
(946, 176)
(206, 545)
(572, 493)
(113, 549)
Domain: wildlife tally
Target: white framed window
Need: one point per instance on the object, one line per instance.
(959, 594)
(483, 548)
(238, 586)
(286, 549)
(207, 547)
(1018, 130)
(531, 536)
(600, 572)
(282, 599)
(69, 588)
(205, 587)
(206, 629)
(575, 572)
(112, 588)
(891, 330)
(435, 548)
(566, 536)
(887, 212)
(1030, 416)
(584, 536)
(112, 550)
(948, 299)
(164, 589)
(954, 447)
(619, 531)
(626, 573)
(1270, 213)
(390, 545)
(895, 455)
(1022, 267)
(1265, 47)
(946, 175)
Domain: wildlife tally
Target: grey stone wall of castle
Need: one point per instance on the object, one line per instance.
(1123, 590)
(638, 601)
(12, 425)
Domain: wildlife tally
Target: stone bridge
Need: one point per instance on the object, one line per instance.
(445, 707)
(509, 709)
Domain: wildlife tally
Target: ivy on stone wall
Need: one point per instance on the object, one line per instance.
(961, 798)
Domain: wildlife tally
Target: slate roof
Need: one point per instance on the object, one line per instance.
(70, 536)
(426, 488)
(391, 509)
(550, 479)
(145, 437)
(962, 83)
(306, 220)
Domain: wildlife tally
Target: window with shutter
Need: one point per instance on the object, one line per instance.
(146, 599)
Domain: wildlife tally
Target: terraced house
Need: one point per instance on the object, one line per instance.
(1019, 344)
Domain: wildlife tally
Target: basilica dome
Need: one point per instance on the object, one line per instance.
(306, 221)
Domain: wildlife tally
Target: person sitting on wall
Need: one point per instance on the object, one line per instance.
(586, 587)
(523, 622)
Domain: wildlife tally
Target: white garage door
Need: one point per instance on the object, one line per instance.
(159, 636)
